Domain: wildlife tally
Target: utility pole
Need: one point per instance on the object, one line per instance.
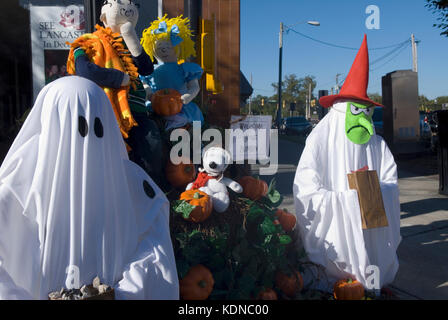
(337, 83)
(280, 44)
(308, 103)
(414, 54)
(250, 98)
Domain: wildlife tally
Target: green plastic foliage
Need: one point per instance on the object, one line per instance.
(243, 260)
(358, 122)
(183, 207)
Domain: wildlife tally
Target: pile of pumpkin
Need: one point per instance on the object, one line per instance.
(248, 252)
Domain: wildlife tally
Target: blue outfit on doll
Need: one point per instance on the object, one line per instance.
(171, 75)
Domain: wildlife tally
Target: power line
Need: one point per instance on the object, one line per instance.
(401, 49)
(395, 56)
(404, 44)
(340, 46)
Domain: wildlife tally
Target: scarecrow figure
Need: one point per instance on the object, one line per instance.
(113, 58)
(73, 207)
(169, 41)
(328, 211)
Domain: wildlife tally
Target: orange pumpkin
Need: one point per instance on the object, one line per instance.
(179, 175)
(203, 204)
(166, 102)
(197, 284)
(254, 189)
(348, 289)
(286, 219)
(289, 284)
(267, 294)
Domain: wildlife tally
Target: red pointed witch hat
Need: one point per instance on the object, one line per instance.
(355, 85)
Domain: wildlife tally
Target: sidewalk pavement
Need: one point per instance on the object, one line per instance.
(423, 252)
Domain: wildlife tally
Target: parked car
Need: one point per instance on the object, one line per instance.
(377, 120)
(296, 126)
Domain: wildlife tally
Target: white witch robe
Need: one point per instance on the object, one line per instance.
(72, 206)
(328, 212)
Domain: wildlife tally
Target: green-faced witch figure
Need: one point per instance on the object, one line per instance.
(328, 211)
(358, 121)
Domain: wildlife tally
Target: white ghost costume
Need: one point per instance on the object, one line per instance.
(72, 206)
(328, 212)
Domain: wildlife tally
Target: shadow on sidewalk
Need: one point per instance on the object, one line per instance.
(417, 207)
(423, 165)
(423, 256)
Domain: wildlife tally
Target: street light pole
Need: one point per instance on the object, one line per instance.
(280, 43)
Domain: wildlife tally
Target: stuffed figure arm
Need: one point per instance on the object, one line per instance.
(144, 64)
(104, 77)
(235, 186)
(141, 59)
(192, 91)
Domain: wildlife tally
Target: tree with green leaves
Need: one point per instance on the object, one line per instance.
(295, 90)
(376, 97)
(260, 105)
(431, 104)
(441, 8)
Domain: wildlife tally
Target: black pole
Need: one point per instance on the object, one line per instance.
(92, 12)
(193, 11)
(88, 15)
(279, 110)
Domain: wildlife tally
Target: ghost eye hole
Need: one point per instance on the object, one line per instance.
(107, 2)
(83, 127)
(98, 128)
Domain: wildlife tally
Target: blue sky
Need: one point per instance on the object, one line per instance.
(342, 23)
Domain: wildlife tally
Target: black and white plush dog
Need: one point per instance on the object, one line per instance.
(211, 179)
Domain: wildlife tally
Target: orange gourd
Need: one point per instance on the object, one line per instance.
(289, 284)
(179, 175)
(197, 284)
(166, 102)
(203, 204)
(254, 189)
(286, 219)
(348, 289)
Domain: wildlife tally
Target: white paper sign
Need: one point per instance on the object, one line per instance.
(250, 136)
(51, 27)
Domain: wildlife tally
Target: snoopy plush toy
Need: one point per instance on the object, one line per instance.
(211, 178)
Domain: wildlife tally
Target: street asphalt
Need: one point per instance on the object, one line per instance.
(423, 252)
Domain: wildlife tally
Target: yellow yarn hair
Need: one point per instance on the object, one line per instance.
(184, 50)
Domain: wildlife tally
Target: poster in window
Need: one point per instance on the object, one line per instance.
(51, 28)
